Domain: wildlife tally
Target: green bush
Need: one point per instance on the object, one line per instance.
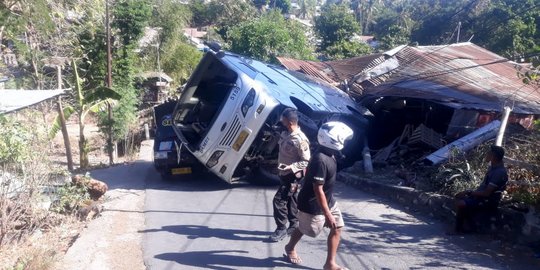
(14, 141)
(524, 193)
(461, 172)
(70, 198)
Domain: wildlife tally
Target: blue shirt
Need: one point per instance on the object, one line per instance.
(496, 176)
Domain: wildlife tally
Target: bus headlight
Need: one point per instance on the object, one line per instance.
(214, 159)
(160, 155)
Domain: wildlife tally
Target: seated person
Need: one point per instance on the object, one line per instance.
(487, 196)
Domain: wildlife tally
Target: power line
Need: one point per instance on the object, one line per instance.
(440, 72)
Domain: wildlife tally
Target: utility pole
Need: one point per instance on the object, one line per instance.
(158, 60)
(500, 135)
(458, 31)
(109, 82)
(59, 76)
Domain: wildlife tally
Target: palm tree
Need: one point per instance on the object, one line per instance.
(363, 11)
(307, 8)
(83, 102)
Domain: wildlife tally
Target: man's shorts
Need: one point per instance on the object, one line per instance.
(312, 225)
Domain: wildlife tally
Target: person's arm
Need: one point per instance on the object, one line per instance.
(484, 193)
(497, 180)
(321, 199)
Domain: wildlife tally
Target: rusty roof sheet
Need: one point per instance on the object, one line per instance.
(315, 69)
(333, 72)
(346, 69)
(461, 75)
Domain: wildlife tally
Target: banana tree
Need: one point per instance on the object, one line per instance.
(83, 102)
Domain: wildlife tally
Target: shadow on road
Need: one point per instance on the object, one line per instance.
(188, 212)
(225, 260)
(140, 175)
(196, 231)
(394, 232)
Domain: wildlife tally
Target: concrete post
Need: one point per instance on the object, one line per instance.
(368, 165)
(504, 121)
(146, 132)
(59, 76)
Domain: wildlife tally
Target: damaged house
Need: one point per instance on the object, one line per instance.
(441, 92)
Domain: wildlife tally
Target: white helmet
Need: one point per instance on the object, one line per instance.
(334, 134)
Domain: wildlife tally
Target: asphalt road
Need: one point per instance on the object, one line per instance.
(200, 222)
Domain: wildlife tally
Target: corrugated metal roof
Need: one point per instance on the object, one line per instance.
(194, 32)
(155, 74)
(332, 72)
(461, 75)
(315, 69)
(13, 100)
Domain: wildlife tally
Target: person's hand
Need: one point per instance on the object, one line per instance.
(294, 187)
(330, 221)
(285, 168)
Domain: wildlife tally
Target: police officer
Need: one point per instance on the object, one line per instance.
(293, 159)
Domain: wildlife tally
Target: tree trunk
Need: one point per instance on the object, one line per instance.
(65, 135)
(33, 60)
(110, 147)
(110, 142)
(36, 73)
(1, 35)
(83, 149)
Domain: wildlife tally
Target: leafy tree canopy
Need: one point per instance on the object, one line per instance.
(283, 5)
(347, 49)
(131, 16)
(306, 8)
(230, 13)
(269, 36)
(260, 3)
(181, 61)
(507, 27)
(335, 24)
(171, 16)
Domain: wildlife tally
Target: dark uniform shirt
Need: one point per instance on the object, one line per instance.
(496, 176)
(322, 170)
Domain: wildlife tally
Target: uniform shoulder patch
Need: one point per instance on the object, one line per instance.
(296, 140)
(304, 145)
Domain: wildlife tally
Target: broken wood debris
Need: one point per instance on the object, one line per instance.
(411, 136)
(427, 136)
(384, 153)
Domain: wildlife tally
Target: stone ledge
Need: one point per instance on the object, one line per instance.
(507, 224)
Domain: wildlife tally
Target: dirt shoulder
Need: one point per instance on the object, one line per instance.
(113, 240)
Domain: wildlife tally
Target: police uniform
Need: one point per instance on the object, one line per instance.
(294, 152)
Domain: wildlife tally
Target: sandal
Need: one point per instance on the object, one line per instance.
(294, 259)
(342, 268)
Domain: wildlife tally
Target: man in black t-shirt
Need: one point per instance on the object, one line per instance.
(316, 203)
(487, 195)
